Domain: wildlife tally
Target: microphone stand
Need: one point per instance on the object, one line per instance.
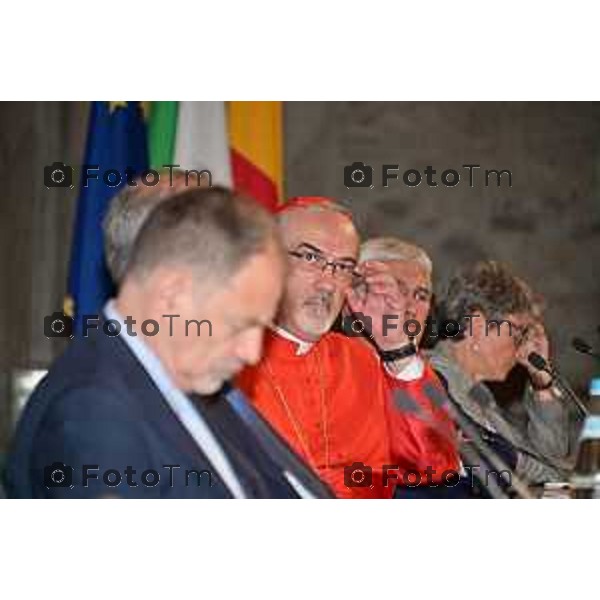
(493, 459)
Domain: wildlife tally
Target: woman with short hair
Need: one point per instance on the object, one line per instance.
(500, 325)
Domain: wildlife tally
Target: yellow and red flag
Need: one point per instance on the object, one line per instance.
(239, 142)
(255, 139)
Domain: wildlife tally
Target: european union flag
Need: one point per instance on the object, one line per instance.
(116, 141)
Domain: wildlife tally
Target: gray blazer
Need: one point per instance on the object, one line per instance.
(543, 432)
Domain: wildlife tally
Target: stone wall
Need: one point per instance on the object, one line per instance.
(546, 226)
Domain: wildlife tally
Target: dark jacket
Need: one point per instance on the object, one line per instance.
(98, 411)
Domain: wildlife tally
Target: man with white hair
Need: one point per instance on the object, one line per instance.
(423, 437)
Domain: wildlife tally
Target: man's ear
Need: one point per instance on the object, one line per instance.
(174, 287)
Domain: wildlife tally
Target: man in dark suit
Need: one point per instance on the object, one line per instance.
(137, 408)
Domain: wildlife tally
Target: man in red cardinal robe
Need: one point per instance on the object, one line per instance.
(324, 392)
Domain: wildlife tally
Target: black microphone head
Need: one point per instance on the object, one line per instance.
(581, 345)
(538, 361)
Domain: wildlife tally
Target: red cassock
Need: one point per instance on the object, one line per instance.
(422, 434)
(329, 403)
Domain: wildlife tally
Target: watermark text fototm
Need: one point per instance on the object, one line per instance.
(60, 475)
(358, 174)
(358, 324)
(58, 174)
(360, 475)
(59, 325)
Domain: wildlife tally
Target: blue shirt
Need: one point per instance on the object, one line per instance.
(180, 404)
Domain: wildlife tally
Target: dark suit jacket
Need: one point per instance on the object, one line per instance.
(99, 413)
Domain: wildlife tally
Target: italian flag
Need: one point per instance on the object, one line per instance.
(240, 143)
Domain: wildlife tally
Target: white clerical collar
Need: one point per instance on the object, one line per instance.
(302, 346)
(411, 371)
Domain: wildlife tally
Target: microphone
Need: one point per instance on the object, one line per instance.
(541, 364)
(585, 348)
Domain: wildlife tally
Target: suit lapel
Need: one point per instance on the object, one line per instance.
(154, 408)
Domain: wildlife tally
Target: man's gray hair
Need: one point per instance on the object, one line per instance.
(211, 230)
(391, 248)
(315, 204)
(127, 212)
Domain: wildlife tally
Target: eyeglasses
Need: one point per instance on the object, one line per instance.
(343, 269)
(420, 294)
